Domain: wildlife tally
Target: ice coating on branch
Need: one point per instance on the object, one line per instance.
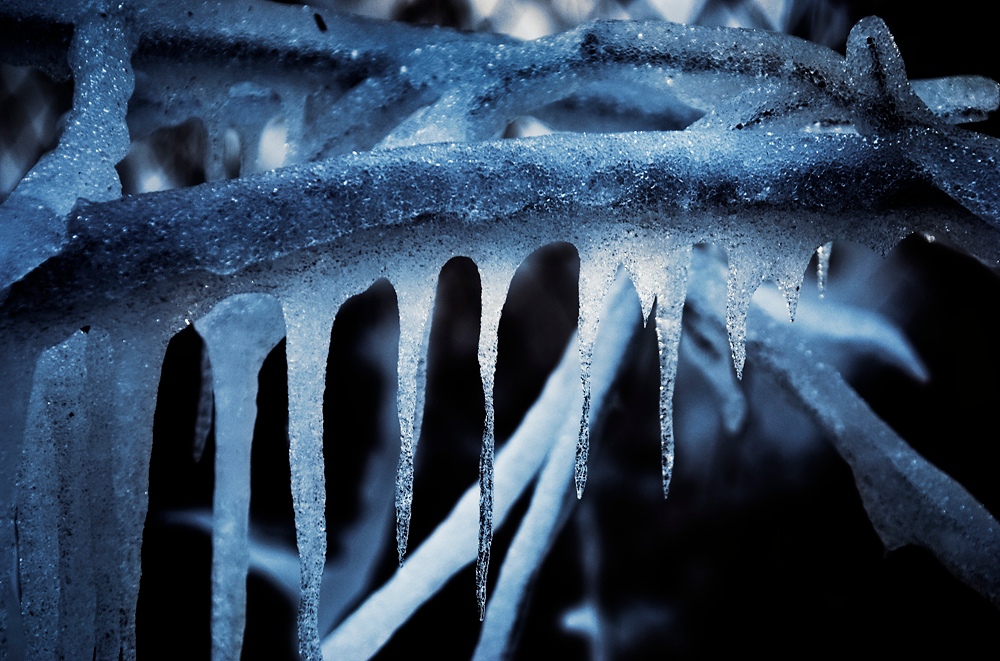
(959, 99)
(908, 499)
(965, 165)
(884, 101)
(82, 165)
(239, 333)
(416, 301)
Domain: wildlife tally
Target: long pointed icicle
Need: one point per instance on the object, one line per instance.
(133, 374)
(416, 299)
(494, 288)
(660, 271)
(309, 317)
(549, 508)
(788, 278)
(77, 597)
(745, 276)
(54, 425)
(596, 276)
(669, 310)
(239, 333)
(103, 450)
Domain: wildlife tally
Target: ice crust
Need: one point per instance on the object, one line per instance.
(789, 146)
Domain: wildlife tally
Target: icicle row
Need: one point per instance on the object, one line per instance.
(239, 333)
(416, 301)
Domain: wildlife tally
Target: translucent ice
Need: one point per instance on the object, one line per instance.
(416, 298)
(797, 146)
(239, 333)
(494, 282)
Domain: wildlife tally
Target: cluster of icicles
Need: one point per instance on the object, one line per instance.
(744, 177)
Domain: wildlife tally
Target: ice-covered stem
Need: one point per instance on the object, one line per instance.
(83, 163)
(669, 308)
(96, 136)
(239, 333)
(908, 499)
(694, 187)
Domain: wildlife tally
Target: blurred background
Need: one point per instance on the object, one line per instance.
(763, 545)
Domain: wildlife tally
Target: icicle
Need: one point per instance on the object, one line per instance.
(669, 310)
(15, 358)
(596, 276)
(416, 301)
(136, 357)
(788, 272)
(48, 497)
(710, 352)
(495, 280)
(745, 276)
(549, 508)
(823, 266)
(309, 315)
(534, 537)
(658, 266)
(103, 451)
(659, 270)
(239, 333)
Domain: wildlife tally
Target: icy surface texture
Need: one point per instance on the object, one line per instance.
(381, 145)
(94, 140)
